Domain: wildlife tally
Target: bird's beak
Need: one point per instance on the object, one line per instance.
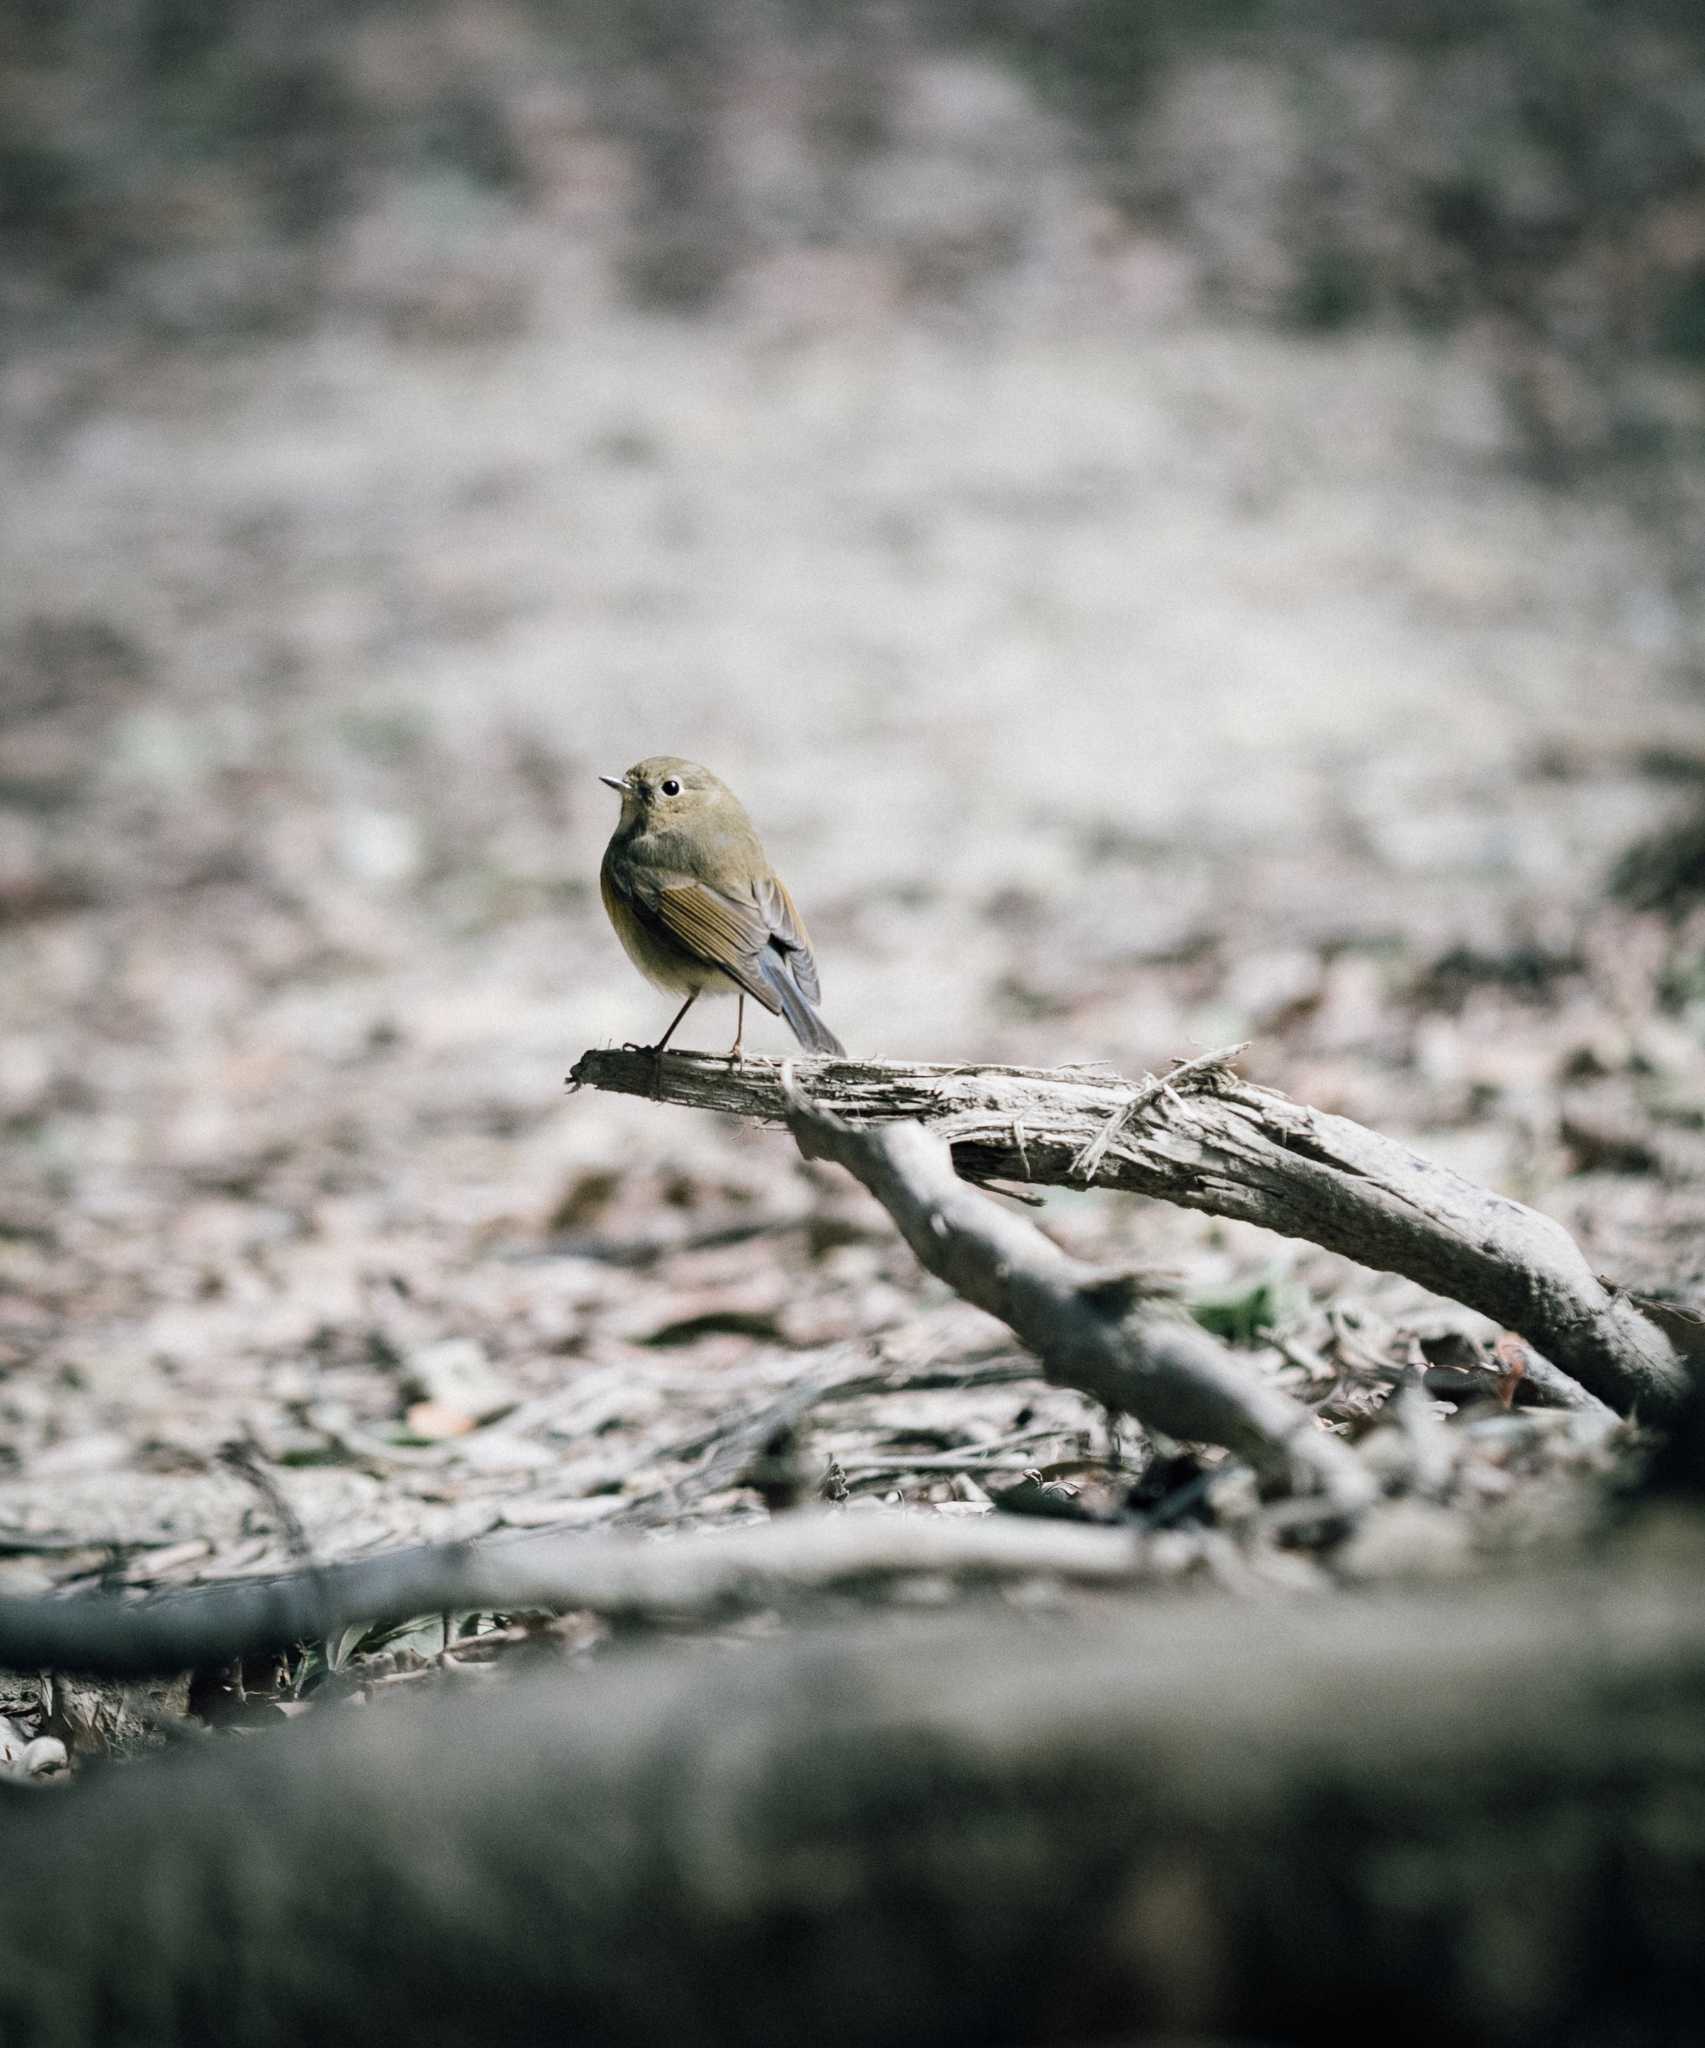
(619, 783)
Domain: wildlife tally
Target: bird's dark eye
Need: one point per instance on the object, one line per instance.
(670, 786)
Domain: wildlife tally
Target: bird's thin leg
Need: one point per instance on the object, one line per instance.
(656, 1051)
(673, 1021)
(739, 1030)
(670, 1033)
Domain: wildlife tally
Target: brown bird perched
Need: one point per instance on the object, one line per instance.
(696, 903)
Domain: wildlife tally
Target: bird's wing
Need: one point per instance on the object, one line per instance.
(717, 929)
(787, 930)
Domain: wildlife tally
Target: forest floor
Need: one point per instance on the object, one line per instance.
(1107, 689)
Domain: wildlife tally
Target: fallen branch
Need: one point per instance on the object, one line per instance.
(1220, 1144)
(1093, 1331)
(1470, 1815)
(751, 1567)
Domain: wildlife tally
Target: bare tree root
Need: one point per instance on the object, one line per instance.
(1208, 1140)
(1474, 1815)
(618, 1576)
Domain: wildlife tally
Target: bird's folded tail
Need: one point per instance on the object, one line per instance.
(802, 1019)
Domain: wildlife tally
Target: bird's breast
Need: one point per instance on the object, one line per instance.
(666, 964)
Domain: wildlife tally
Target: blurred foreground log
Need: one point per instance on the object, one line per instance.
(1220, 1144)
(1470, 1815)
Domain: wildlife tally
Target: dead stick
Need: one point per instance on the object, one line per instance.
(744, 1568)
(1235, 1150)
(1093, 1331)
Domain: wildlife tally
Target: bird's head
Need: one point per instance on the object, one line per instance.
(667, 793)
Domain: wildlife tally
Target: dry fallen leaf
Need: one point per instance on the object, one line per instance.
(1511, 1354)
(435, 1420)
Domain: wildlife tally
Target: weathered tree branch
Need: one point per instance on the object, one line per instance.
(1473, 1815)
(1093, 1331)
(1234, 1150)
(736, 1570)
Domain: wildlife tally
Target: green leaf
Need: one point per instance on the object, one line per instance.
(1249, 1313)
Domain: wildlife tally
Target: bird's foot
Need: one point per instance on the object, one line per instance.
(654, 1053)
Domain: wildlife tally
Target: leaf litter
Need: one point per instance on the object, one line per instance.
(293, 966)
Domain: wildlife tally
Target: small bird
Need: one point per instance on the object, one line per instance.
(696, 903)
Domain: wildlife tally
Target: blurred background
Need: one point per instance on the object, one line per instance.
(1183, 522)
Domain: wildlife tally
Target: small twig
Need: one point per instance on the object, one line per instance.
(1022, 1196)
(1150, 1089)
(730, 1445)
(1018, 1144)
(749, 1567)
(945, 1379)
(998, 1447)
(944, 1461)
(243, 1456)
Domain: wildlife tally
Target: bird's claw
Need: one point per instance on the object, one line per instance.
(654, 1053)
